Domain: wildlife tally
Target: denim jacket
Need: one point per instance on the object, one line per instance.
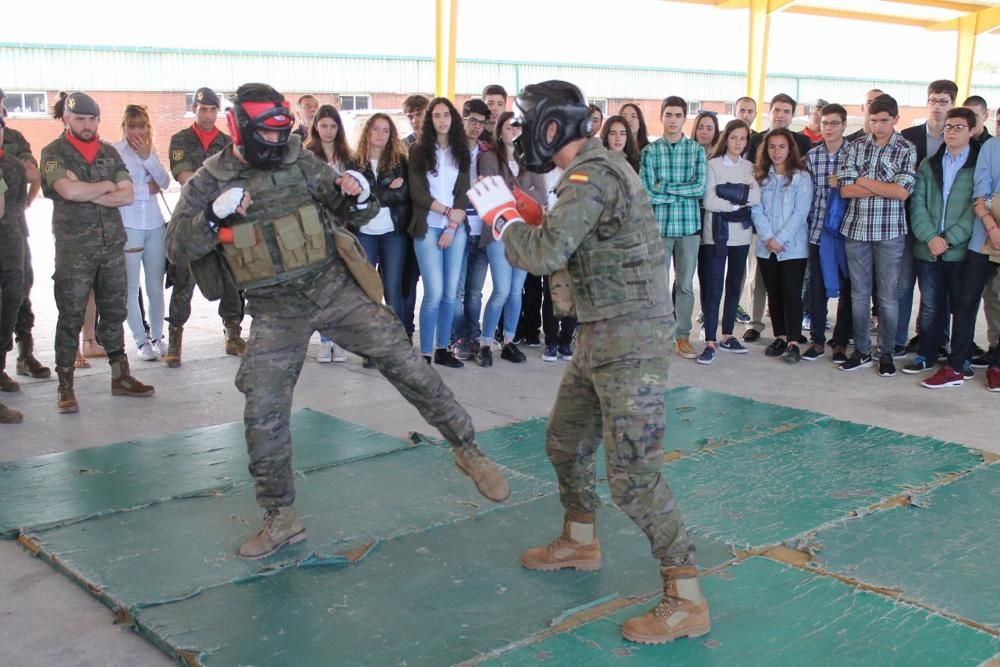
(782, 213)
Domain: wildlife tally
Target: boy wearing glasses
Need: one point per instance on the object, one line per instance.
(824, 161)
(928, 139)
(941, 220)
(877, 177)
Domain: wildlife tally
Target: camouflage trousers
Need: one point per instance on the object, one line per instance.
(613, 392)
(284, 319)
(26, 316)
(78, 270)
(179, 311)
(11, 283)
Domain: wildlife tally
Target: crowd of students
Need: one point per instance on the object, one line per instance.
(808, 216)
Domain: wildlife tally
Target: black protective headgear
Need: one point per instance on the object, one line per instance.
(538, 105)
(258, 106)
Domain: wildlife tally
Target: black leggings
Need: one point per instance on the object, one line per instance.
(783, 282)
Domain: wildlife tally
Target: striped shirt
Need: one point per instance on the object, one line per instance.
(878, 218)
(674, 178)
(822, 165)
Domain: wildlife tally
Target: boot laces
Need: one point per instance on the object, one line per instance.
(666, 606)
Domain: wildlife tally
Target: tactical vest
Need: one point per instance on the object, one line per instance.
(283, 236)
(620, 268)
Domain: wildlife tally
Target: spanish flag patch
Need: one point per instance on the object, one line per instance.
(579, 177)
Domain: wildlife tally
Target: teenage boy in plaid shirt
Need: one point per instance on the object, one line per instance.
(877, 176)
(672, 169)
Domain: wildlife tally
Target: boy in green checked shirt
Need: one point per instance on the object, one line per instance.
(673, 173)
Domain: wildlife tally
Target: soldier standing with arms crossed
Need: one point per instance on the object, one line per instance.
(189, 149)
(87, 181)
(602, 230)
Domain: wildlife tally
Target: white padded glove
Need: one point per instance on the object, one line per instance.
(363, 182)
(227, 203)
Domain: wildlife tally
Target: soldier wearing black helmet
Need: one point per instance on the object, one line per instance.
(277, 210)
(602, 231)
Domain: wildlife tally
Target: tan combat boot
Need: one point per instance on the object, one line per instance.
(9, 415)
(172, 359)
(282, 526)
(67, 399)
(490, 482)
(235, 345)
(682, 612)
(7, 383)
(27, 364)
(122, 382)
(577, 547)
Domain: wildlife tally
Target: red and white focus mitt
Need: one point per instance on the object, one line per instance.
(500, 208)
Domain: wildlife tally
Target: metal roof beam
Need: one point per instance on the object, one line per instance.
(987, 20)
(965, 7)
(859, 16)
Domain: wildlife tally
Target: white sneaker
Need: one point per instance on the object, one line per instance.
(339, 354)
(146, 352)
(159, 347)
(325, 355)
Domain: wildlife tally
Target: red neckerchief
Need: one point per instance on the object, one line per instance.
(206, 138)
(88, 149)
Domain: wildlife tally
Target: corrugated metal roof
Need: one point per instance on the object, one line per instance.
(63, 66)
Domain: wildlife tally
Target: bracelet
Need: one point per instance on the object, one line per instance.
(448, 230)
(447, 211)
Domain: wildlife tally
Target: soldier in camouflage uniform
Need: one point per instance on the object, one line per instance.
(268, 203)
(602, 230)
(13, 190)
(189, 149)
(16, 145)
(87, 181)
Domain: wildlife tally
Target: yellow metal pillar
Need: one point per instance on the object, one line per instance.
(760, 26)
(446, 31)
(965, 57)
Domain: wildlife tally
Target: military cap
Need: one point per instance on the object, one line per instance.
(207, 97)
(83, 104)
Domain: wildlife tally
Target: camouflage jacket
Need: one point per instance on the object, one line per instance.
(15, 144)
(15, 191)
(189, 236)
(187, 153)
(83, 223)
(603, 231)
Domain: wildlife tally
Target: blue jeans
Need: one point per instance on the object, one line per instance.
(843, 327)
(506, 298)
(907, 281)
(977, 271)
(868, 262)
(145, 249)
(714, 278)
(940, 292)
(388, 252)
(440, 270)
(469, 297)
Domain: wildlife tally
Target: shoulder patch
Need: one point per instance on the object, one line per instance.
(51, 165)
(578, 177)
(177, 154)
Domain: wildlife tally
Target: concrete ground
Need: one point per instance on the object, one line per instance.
(47, 620)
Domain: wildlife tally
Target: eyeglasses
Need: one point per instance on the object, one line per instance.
(948, 127)
(831, 123)
(474, 121)
(939, 101)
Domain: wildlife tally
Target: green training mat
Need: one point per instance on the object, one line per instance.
(62, 488)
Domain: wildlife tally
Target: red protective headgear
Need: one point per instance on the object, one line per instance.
(256, 107)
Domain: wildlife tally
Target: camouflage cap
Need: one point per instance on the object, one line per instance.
(207, 97)
(83, 104)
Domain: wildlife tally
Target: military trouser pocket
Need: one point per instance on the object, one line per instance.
(247, 256)
(353, 255)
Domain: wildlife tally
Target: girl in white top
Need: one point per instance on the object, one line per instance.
(727, 222)
(328, 141)
(145, 226)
